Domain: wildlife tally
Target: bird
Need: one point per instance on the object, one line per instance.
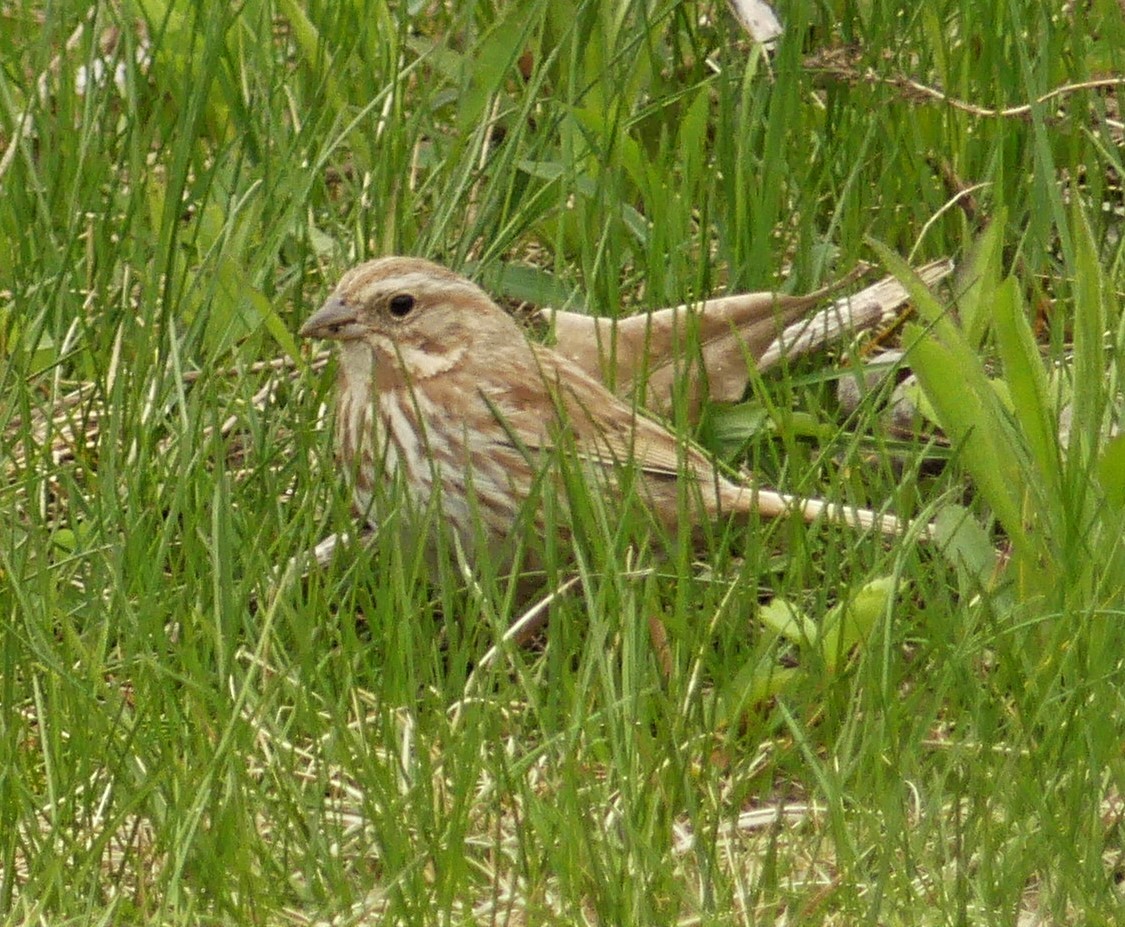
(440, 392)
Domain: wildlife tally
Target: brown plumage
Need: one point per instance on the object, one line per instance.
(440, 389)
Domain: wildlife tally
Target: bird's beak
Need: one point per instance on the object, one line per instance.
(335, 319)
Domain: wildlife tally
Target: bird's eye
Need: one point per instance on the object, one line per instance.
(400, 305)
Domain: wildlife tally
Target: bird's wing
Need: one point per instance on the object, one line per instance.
(588, 419)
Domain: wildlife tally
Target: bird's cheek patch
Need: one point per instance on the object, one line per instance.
(427, 361)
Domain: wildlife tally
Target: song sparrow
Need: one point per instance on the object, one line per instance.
(440, 389)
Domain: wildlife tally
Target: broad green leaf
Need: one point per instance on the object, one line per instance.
(969, 410)
(850, 623)
(968, 548)
(491, 64)
(612, 142)
(1091, 389)
(1111, 471)
(313, 50)
(912, 391)
(784, 619)
(734, 425)
(693, 133)
(275, 325)
(929, 308)
(760, 678)
(1026, 381)
(534, 285)
(981, 274)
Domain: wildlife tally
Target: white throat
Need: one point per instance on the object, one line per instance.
(357, 364)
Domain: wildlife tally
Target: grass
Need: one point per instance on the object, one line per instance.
(190, 733)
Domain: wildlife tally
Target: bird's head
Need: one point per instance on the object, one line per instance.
(394, 302)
